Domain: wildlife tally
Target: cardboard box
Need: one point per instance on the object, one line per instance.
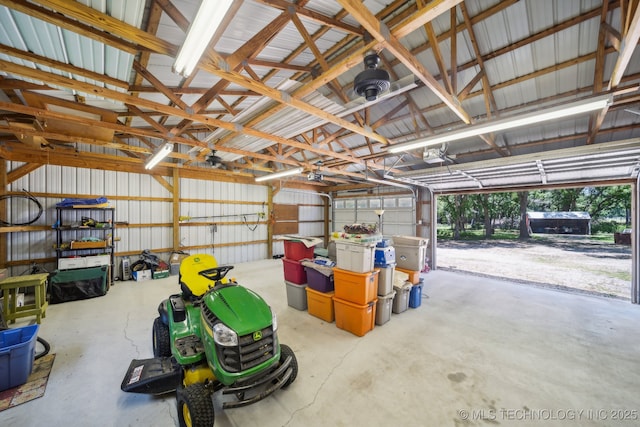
(76, 244)
(177, 258)
(160, 274)
(141, 275)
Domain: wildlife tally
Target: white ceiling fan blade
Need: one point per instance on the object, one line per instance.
(404, 84)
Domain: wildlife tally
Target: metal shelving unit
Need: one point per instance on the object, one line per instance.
(84, 238)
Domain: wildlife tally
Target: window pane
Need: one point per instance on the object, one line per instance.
(362, 203)
(374, 203)
(405, 202)
(349, 204)
(339, 204)
(389, 203)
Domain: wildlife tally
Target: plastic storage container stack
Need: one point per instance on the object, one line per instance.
(320, 286)
(295, 276)
(402, 288)
(411, 252)
(356, 287)
(385, 263)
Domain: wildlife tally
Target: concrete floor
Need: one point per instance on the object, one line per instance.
(475, 348)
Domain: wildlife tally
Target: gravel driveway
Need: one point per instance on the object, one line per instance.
(562, 261)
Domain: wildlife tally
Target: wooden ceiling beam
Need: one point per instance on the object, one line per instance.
(62, 66)
(489, 100)
(454, 49)
(22, 171)
(147, 118)
(169, 110)
(278, 65)
(72, 25)
(235, 60)
(313, 16)
(598, 75)
(333, 85)
(160, 87)
(221, 69)
(423, 15)
(383, 35)
(15, 84)
(153, 22)
(108, 24)
(117, 163)
(631, 35)
(435, 49)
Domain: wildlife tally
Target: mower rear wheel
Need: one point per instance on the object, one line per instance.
(161, 339)
(286, 351)
(195, 406)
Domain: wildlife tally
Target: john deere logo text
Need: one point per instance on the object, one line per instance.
(257, 335)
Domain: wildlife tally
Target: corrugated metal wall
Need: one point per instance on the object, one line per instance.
(143, 203)
(223, 218)
(398, 217)
(310, 214)
(235, 209)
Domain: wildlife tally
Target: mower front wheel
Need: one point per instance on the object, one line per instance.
(195, 406)
(285, 351)
(161, 339)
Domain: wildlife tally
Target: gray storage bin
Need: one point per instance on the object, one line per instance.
(384, 307)
(297, 295)
(411, 257)
(401, 298)
(385, 280)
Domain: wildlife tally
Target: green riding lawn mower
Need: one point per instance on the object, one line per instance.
(214, 336)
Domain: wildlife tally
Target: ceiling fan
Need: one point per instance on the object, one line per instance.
(215, 161)
(374, 84)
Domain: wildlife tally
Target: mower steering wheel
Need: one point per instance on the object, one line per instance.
(216, 273)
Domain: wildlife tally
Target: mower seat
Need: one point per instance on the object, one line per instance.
(193, 284)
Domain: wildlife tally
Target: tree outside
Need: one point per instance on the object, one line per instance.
(503, 215)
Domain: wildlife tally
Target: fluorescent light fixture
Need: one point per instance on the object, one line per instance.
(162, 152)
(282, 174)
(571, 109)
(391, 183)
(200, 32)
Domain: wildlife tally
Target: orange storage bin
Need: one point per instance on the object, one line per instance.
(414, 276)
(355, 318)
(358, 288)
(320, 304)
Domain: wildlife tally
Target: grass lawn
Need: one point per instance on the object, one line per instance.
(446, 233)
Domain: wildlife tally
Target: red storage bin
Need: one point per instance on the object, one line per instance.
(296, 250)
(294, 271)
